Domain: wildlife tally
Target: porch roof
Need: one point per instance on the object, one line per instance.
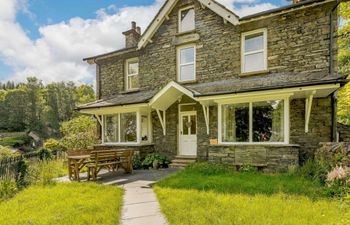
(166, 96)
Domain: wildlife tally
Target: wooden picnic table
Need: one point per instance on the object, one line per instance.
(76, 163)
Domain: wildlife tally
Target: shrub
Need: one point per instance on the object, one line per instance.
(21, 174)
(136, 162)
(79, 133)
(43, 172)
(338, 181)
(15, 142)
(44, 154)
(7, 189)
(5, 152)
(155, 160)
(54, 145)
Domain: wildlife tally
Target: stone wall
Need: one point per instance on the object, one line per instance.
(270, 158)
(297, 42)
(344, 132)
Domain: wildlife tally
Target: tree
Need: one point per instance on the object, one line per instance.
(344, 63)
(35, 103)
(79, 133)
(85, 94)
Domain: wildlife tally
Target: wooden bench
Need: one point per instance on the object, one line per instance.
(111, 160)
(74, 166)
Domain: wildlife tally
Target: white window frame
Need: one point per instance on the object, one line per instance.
(243, 53)
(179, 19)
(138, 128)
(179, 62)
(252, 100)
(127, 75)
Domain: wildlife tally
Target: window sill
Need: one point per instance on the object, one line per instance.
(188, 82)
(254, 73)
(130, 91)
(185, 32)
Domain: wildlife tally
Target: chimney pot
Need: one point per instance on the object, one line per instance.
(133, 25)
(138, 30)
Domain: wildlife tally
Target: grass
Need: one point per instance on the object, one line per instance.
(63, 204)
(207, 194)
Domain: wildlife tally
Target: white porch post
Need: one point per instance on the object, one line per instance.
(206, 116)
(162, 119)
(308, 106)
(98, 119)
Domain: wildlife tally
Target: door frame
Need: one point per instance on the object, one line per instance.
(179, 126)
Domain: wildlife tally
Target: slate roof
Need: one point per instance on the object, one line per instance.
(121, 99)
(231, 86)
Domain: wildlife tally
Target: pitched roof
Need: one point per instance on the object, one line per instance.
(264, 82)
(231, 86)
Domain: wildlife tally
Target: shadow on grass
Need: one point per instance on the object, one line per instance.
(216, 178)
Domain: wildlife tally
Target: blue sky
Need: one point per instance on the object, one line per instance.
(39, 21)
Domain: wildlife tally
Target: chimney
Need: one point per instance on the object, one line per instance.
(132, 36)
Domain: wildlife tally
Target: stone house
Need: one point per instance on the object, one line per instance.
(202, 83)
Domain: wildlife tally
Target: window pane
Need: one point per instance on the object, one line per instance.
(133, 68)
(111, 128)
(128, 127)
(184, 108)
(133, 82)
(187, 20)
(193, 124)
(268, 121)
(254, 42)
(144, 128)
(235, 123)
(187, 72)
(185, 125)
(254, 62)
(187, 55)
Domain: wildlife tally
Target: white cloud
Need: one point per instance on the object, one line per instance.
(57, 54)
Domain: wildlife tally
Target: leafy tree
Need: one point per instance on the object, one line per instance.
(85, 94)
(79, 133)
(344, 63)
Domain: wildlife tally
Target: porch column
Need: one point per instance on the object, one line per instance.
(206, 116)
(308, 106)
(161, 116)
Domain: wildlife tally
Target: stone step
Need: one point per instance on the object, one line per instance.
(186, 157)
(178, 165)
(182, 161)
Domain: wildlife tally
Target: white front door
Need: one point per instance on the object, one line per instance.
(188, 133)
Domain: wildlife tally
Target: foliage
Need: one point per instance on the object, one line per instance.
(155, 160)
(338, 181)
(54, 145)
(44, 172)
(35, 107)
(65, 204)
(207, 207)
(248, 168)
(79, 133)
(137, 162)
(7, 189)
(215, 194)
(5, 152)
(21, 174)
(15, 141)
(44, 154)
(344, 63)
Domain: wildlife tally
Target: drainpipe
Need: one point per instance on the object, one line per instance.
(331, 72)
(98, 80)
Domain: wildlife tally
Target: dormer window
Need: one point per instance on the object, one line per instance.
(254, 51)
(186, 19)
(132, 74)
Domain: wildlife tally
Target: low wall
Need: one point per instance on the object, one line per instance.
(142, 150)
(269, 158)
(332, 150)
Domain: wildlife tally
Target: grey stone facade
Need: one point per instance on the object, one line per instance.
(298, 43)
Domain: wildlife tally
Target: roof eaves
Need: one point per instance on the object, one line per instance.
(113, 53)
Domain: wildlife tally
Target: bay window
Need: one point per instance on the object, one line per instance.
(129, 127)
(254, 122)
(254, 51)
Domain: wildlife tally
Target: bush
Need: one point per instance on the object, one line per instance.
(155, 160)
(338, 181)
(136, 162)
(7, 189)
(15, 142)
(44, 154)
(79, 133)
(54, 145)
(5, 152)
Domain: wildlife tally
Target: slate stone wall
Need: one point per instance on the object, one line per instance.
(344, 132)
(297, 42)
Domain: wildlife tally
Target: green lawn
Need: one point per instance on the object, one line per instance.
(205, 194)
(63, 204)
